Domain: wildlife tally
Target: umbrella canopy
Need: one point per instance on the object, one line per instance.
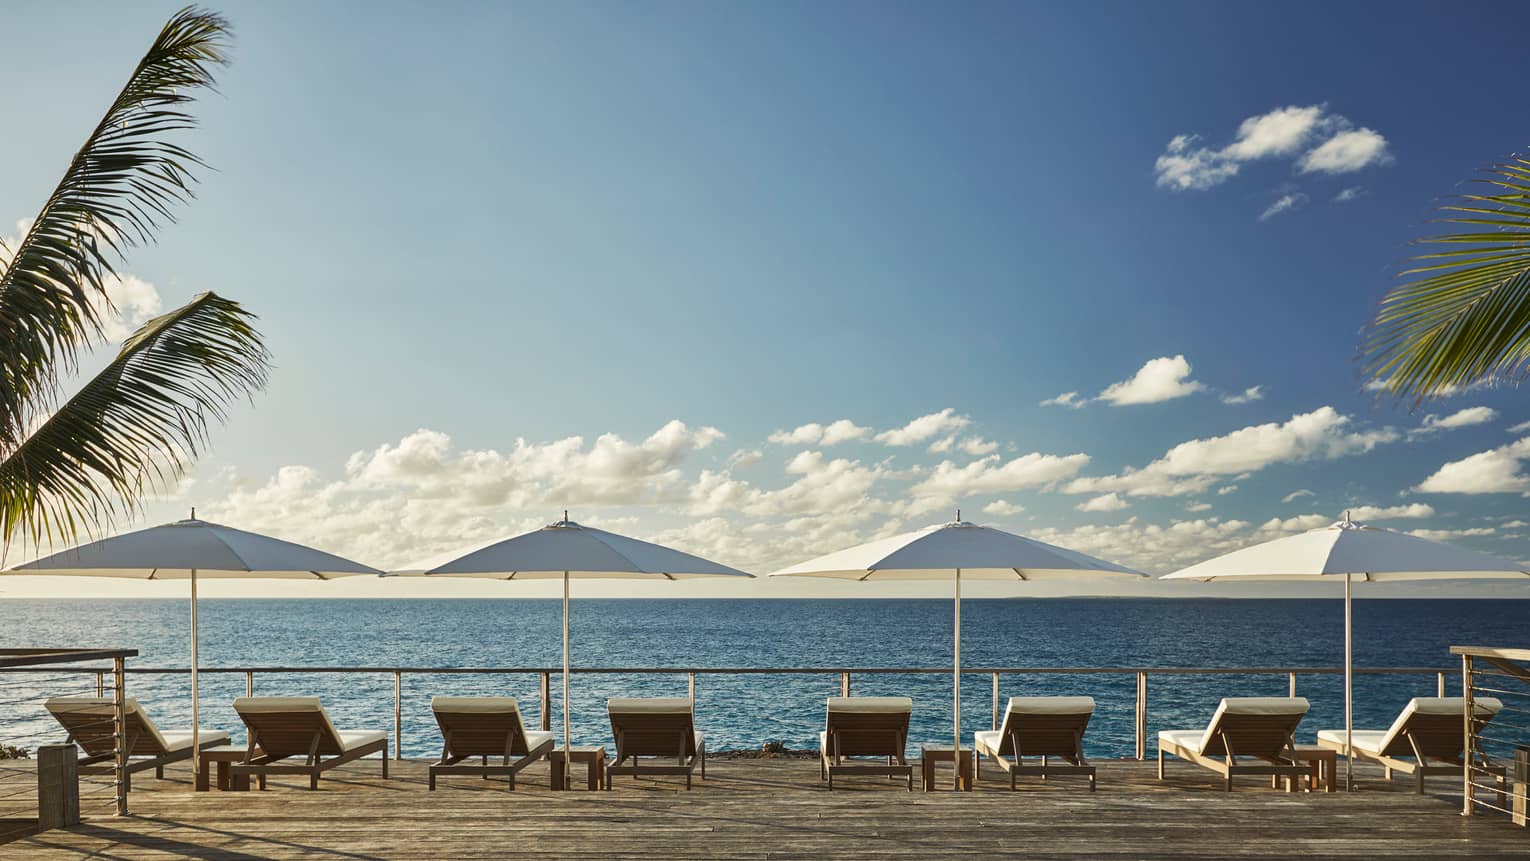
(956, 550)
(566, 550)
(189, 549)
(1351, 551)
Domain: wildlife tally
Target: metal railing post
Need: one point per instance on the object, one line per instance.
(1141, 716)
(844, 684)
(1291, 688)
(100, 684)
(995, 701)
(1468, 791)
(546, 693)
(249, 683)
(1441, 686)
(119, 732)
(398, 714)
(692, 690)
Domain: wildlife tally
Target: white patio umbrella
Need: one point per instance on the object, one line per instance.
(1351, 551)
(956, 550)
(191, 549)
(568, 551)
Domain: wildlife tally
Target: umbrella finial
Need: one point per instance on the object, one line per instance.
(1346, 515)
(193, 512)
(958, 515)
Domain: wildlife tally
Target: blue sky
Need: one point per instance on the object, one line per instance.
(538, 222)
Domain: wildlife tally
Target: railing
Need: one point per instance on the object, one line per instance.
(25, 775)
(1140, 675)
(1497, 749)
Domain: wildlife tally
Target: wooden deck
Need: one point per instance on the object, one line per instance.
(778, 809)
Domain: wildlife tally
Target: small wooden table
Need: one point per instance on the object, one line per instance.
(224, 756)
(1325, 765)
(594, 758)
(929, 754)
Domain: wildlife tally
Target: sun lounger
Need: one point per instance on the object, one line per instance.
(659, 728)
(1243, 729)
(284, 727)
(1044, 727)
(90, 723)
(485, 727)
(865, 727)
(1429, 731)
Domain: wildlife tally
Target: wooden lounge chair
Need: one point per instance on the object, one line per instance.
(285, 727)
(865, 726)
(657, 727)
(485, 727)
(90, 723)
(1243, 728)
(1429, 731)
(1039, 726)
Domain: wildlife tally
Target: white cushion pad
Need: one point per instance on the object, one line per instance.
(649, 705)
(1185, 738)
(871, 705)
(181, 739)
(987, 741)
(475, 705)
(1367, 740)
(352, 739)
(1052, 705)
(537, 737)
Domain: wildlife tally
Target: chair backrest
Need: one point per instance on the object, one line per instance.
(480, 726)
(1045, 726)
(868, 726)
(1253, 726)
(287, 726)
(91, 725)
(653, 726)
(1434, 725)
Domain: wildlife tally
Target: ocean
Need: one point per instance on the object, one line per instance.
(744, 711)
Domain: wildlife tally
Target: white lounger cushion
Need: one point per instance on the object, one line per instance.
(987, 741)
(1376, 741)
(290, 705)
(1052, 705)
(103, 707)
(536, 738)
(1272, 706)
(871, 705)
(1189, 739)
(352, 739)
(475, 705)
(648, 705)
(181, 739)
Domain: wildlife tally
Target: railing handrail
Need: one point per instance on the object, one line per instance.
(1492, 652)
(826, 670)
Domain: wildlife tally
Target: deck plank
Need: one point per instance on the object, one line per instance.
(760, 809)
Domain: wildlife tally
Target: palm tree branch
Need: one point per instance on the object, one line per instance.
(137, 423)
(120, 185)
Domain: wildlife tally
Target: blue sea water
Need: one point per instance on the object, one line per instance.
(743, 711)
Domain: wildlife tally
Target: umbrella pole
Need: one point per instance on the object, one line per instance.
(1349, 693)
(566, 706)
(956, 685)
(196, 741)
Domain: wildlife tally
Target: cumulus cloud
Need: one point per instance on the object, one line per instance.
(128, 303)
(1068, 399)
(813, 433)
(1493, 471)
(1466, 418)
(1247, 396)
(1285, 203)
(1106, 502)
(1198, 506)
(1296, 494)
(1354, 192)
(1520, 428)
(1411, 511)
(1194, 466)
(1187, 166)
(1346, 152)
(1002, 508)
(924, 428)
(991, 474)
(1160, 379)
(977, 446)
(1448, 534)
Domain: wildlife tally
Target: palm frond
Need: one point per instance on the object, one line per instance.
(136, 424)
(1462, 316)
(119, 187)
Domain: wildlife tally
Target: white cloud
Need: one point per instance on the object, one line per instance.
(1282, 131)
(1515, 524)
(1107, 502)
(941, 446)
(1285, 203)
(1227, 489)
(1520, 428)
(1346, 152)
(924, 427)
(1277, 527)
(1411, 511)
(1448, 534)
(1198, 506)
(745, 457)
(1493, 471)
(976, 446)
(1066, 399)
(1152, 547)
(814, 433)
(1161, 379)
(1184, 166)
(1001, 508)
(128, 303)
(1247, 396)
(948, 482)
(1194, 466)
(1468, 417)
(1354, 192)
(1296, 494)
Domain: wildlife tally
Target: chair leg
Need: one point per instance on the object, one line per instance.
(385, 765)
(1160, 763)
(159, 772)
(313, 779)
(432, 782)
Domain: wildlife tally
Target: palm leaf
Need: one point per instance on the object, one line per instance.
(1462, 316)
(137, 423)
(119, 187)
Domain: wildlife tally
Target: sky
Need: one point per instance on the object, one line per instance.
(761, 281)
